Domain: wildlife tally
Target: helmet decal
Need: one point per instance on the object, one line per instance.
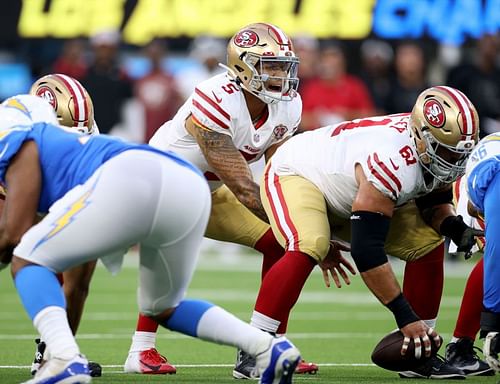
(47, 94)
(434, 113)
(246, 39)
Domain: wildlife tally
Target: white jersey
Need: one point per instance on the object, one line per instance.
(328, 156)
(219, 105)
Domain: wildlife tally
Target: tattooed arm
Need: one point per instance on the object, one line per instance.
(230, 166)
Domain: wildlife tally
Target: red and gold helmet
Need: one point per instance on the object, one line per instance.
(261, 59)
(69, 99)
(445, 126)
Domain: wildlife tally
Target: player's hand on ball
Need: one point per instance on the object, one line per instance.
(334, 264)
(423, 338)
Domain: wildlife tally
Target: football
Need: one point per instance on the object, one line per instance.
(387, 353)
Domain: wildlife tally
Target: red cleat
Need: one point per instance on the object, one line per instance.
(148, 362)
(303, 367)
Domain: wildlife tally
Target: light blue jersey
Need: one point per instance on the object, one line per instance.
(67, 158)
(483, 188)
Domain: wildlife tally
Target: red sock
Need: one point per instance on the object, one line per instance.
(270, 249)
(146, 324)
(472, 304)
(282, 285)
(423, 283)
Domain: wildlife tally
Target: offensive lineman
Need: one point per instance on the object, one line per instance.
(369, 171)
(231, 120)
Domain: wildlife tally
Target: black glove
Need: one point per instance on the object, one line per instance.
(460, 233)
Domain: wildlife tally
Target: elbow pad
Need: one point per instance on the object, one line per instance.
(368, 233)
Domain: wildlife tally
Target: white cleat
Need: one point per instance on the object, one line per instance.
(277, 364)
(58, 371)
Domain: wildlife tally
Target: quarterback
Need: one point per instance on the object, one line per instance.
(229, 121)
(82, 185)
(483, 189)
(384, 185)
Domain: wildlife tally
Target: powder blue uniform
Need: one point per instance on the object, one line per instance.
(103, 195)
(483, 188)
(67, 158)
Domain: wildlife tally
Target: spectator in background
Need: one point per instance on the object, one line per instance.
(157, 92)
(480, 80)
(307, 49)
(208, 52)
(72, 62)
(106, 83)
(376, 57)
(335, 95)
(410, 77)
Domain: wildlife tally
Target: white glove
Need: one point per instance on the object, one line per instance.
(490, 350)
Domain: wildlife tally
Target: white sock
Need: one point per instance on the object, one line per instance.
(454, 339)
(264, 322)
(52, 324)
(220, 326)
(142, 341)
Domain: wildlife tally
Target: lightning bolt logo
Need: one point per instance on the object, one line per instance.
(68, 216)
(15, 103)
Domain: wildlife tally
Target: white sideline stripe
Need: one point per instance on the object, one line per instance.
(201, 366)
(175, 336)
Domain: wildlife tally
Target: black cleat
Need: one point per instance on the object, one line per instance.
(463, 355)
(95, 369)
(37, 361)
(245, 366)
(434, 368)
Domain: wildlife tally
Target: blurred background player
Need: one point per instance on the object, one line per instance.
(229, 121)
(461, 352)
(77, 181)
(483, 189)
(75, 110)
(371, 170)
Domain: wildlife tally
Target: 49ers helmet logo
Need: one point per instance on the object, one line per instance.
(246, 39)
(47, 94)
(434, 113)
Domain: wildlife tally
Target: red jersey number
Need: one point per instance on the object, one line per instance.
(407, 155)
(230, 88)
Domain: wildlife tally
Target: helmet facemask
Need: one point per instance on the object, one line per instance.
(273, 78)
(444, 162)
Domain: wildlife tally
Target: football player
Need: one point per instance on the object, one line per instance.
(229, 121)
(483, 189)
(461, 352)
(82, 184)
(74, 110)
(384, 185)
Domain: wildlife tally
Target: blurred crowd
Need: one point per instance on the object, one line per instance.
(136, 90)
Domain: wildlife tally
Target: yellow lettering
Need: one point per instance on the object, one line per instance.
(355, 21)
(67, 18)
(150, 18)
(104, 15)
(32, 20)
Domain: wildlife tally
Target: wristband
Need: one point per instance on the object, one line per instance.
(402, 311)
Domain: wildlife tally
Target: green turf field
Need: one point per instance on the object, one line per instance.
(336, 328)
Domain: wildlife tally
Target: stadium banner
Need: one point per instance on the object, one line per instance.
(446, 21)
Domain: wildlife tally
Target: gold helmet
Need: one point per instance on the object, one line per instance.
(69, 99)
(445, 127)
(261, 59)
